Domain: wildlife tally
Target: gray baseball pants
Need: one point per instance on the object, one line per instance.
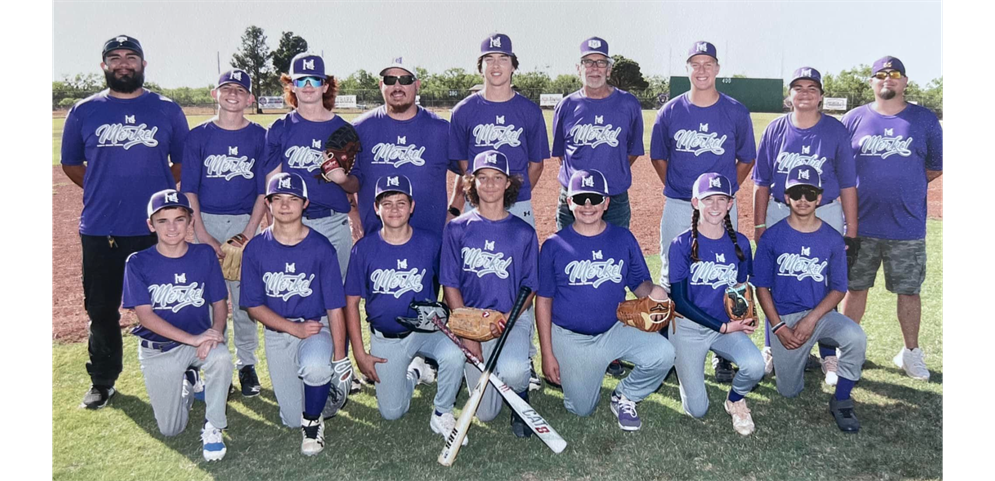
(395, 387)
(834, 329)
(336, 228)
(170, 399)
(294, 362)
(512, 366)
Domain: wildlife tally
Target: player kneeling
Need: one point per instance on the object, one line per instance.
(176, 289)
(705, 262)
(800, 274)
(583, 272)
(291, 283)
(390, 269)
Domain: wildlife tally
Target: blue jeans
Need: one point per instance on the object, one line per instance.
(618, 212)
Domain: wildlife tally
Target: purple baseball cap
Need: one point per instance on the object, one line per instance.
(287, 183)
(168, 198)
(888, 63)
(711, 183)
(594, 45)
(491, 159)
(702, 47)
(236, 76)
(806, 73)
(307, 65)
(125, 42)
(803, 175)
(393, 183)
(398, 62)
(496, 43)
(588, 182)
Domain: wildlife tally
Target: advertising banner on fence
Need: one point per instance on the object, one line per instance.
(271, 102)
(832, 103)
(549, 100)
(345, 101)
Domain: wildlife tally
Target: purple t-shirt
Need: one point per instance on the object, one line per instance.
(415, 148)
(694, 140)
(297, 145)
(515, 127)
(718, 267)
(127, 145)
(586, 276)
(824, 146)
(302, 281)
(489, 261)
(224, 168)
(892, 154)
(180, 290)
(390, 276)
(598, 134)
(800, 268)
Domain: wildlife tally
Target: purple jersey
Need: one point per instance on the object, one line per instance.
(515, 127)
(824, 146)
(718, 267)
(180, 290)
(800, 268)
(488, 261)
(224, 168)
(127, 145)
(586, 276)
(390, 276)
(298, 145)
(297, 282)
(694, 140)
(415, 148)
(598, 134)
(892, 154)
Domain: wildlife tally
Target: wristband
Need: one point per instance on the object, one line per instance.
(777, 326)
(454, 211)
(760, 225)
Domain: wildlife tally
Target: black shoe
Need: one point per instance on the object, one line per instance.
(535, 382)
(518, 425)
(723, 370)
(97, 397)
(813, 363)
(356, 386)
(842, 412)
(249, 381)
(615, 369)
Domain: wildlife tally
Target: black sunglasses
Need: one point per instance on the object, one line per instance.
(809, 194)
(581, 199)
(403, 79)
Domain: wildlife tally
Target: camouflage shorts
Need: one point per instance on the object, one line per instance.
(904, 265)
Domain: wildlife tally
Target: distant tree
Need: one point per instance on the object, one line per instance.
(851, 84)
(289, 46)
(626, 74)
(565, 84)
(254, 57)
(532, 84)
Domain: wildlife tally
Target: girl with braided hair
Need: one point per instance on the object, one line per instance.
(704, 261)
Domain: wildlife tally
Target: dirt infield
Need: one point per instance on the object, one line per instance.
(646, 198)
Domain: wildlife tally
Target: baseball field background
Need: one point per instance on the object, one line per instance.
(900, 437)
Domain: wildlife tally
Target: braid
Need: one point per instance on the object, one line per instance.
(732, 235)
(694, 235)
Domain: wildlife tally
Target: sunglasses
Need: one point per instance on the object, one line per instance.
(895, 74)
(403, 79)
(594, 199)
(809, 194)
(314, 81)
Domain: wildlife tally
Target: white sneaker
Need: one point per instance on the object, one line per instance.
(444, 424)
(421, 370)
(214, 442)
(768, 361)
(742, 421)
(914, 363)
(830, 365)
(314, 436)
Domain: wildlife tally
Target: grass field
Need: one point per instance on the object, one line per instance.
(901, 436)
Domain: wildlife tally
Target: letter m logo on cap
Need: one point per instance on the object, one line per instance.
(491, 159)
(308, 64)
(887, 64)
(715, 182)
(285, 183)
(393, 181)
(172, 197)
(235, 75)
(594, 43)
(123, 39)
(587, 181)
(803, 174)
(701, 47)
(496, 42)
(806, 72)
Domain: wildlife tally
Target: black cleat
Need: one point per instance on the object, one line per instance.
(615, 369)
(723, 370)
(97, 397)
(249, 381)
(842, 412)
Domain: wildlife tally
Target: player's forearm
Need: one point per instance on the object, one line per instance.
(200, 232)
(220, 311)
(632, 159)
(175, 169)
(336, 323)
(931, 175)
(353, 324)
(453, 297)
(743, 170)
(767, 304)
(544, 324)
(271, 319)
(351, 184)
(848, 197)
(151, 321)
(457, 200)
(660, 166)
(646, 289)
(761, 197)
(76, 173)
(258, 210)
(535, 172)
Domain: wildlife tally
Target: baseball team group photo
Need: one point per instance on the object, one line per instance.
(496, 272)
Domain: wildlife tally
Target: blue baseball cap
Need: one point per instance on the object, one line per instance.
(393, 183)
(803, 175)
(125, 42)
(711, 183)
(398, 62)
(307, 65)
(496, 43)
(806, 73)
(702, 47)
(236, 76)
(587, 182)
(888, 63)
(287, 183)
(491, 159)
(594, 45)
(168, 198)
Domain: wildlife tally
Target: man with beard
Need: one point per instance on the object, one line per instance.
(120, 145)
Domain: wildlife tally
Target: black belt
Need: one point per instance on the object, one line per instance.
(385, 335)
(165, 346)
(318, 214)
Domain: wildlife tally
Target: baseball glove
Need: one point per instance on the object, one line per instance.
(341, 383)
(426, 310)
(340, 151)
(231, 265)
(740, 304)
(852, 249)
(646, 314)
(476, 324)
